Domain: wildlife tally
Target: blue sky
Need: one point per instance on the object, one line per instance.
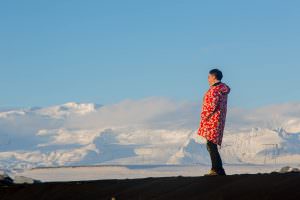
(58, 51)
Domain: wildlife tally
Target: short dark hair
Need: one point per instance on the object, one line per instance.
(217, 73)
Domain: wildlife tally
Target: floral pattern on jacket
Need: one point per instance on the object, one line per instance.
(213, 114)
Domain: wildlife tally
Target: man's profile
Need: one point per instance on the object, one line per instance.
(213, 116)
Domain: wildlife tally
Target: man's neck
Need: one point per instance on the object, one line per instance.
(217, 81)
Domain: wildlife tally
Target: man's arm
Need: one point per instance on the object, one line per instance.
(214, 103)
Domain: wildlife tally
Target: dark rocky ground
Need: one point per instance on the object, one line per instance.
(283, 186)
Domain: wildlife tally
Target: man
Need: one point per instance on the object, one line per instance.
(213, 117)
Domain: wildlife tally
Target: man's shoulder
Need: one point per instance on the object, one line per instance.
(223, 87)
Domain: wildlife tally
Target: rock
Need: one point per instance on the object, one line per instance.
(284, 169)
(287, 169)
(295, 170)
(5, 179)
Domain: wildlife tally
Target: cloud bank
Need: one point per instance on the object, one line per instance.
(131, 131)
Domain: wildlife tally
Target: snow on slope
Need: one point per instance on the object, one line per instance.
(256, 146)
(147, 131)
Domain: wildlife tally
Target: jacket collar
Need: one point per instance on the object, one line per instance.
(217, 83)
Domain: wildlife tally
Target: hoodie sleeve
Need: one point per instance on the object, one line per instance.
(214, 101)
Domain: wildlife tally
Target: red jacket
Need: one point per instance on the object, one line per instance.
(213, 114)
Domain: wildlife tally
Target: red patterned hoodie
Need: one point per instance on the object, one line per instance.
(213, 114)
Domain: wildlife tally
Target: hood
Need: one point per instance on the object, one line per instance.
(225, 89)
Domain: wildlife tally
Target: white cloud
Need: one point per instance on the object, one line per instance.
(71, 132)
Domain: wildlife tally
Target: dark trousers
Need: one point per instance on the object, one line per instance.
(215, 157)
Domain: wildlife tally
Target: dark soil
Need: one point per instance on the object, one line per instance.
(246, 186)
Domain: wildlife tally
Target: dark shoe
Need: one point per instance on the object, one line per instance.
(211, 173)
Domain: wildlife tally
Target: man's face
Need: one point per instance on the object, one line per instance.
(211, 79)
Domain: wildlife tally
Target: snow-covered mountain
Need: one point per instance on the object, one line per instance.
(147, 131)
(255, 146)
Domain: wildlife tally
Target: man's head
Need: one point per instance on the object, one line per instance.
(214, 76)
